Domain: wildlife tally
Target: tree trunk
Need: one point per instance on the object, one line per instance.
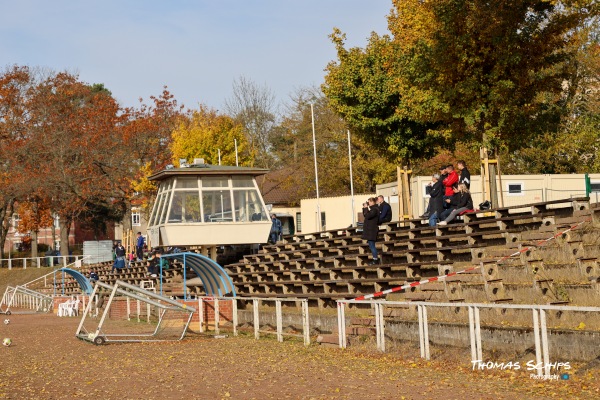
(65, 227)
(5, 214)
(53, 226)
(34, 244)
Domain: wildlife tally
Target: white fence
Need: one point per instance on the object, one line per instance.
(279, 333)
(540, 329)
(38, 262)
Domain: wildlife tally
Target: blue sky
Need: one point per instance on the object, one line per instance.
(196, 48)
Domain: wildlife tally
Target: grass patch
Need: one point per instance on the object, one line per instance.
(19, 276)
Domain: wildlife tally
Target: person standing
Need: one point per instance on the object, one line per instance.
(441, 176)
(371, 227)
(119, 257)
(449, 183)
(465, 175)
(139, 246)
(276, 229)
(385, 210)
(436, 201)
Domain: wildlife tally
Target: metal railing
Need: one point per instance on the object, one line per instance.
(279, 333)
(540, 329)
(38, 262)
(75, 265)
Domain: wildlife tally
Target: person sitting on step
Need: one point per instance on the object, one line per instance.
(460, 202)
(153, 263)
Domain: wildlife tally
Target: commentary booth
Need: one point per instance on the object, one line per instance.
(203, 206)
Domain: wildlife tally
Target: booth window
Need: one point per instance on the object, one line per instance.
(248, 206)
(185, 207)
(217, 205)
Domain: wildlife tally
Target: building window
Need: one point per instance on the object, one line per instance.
(135, 217)
(15, 221)
(595, 186)
(323, 221)
(298, 222)
(515, 188)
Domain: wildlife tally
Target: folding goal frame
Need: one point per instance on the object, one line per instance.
(162, 305)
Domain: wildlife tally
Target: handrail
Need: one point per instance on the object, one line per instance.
(44, 277)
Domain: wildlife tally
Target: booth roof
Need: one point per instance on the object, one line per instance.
(207, 169)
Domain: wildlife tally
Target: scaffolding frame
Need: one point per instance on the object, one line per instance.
(22, 297)
(162, 303)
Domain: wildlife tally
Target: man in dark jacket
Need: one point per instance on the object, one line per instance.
(385, 211)
(139, 246)
(371, 226)
(436, 201)
(465, 175)
(441, 176)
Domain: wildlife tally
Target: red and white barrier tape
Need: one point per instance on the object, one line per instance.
(442, 277)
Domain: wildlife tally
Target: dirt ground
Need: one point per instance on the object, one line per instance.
(46, 361)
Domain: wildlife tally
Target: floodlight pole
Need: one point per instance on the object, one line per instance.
(351, 181)
(219, 156)
(312, 114)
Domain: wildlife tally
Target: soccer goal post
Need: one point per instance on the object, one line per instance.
(126, 313)
(21, 300)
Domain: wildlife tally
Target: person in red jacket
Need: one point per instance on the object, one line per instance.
(451, 180)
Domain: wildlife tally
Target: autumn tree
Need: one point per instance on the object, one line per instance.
(34, 215)
(147, 136)
(206, 132)
(75, 150)
(254, 107)
(15, 82)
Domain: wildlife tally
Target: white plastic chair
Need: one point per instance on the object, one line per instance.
(74, 308)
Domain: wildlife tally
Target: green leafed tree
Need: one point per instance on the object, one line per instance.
(362, 87)
(492, 73)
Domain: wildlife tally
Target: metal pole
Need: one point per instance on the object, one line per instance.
(184, 279)
(472, 334)
(351, 180)
(341, 325)
(219, 150)
(312, 113)
(305, 322)
(544, 334)
(478, 334)
(217, 316)
(426, 333)
(234, 316)
(421, 339)
(256, 321)
(536, 334)
(200, 315)
(279, 319)
(236, 154)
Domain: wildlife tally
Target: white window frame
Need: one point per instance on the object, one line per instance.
(521, 193)
(135, 212)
